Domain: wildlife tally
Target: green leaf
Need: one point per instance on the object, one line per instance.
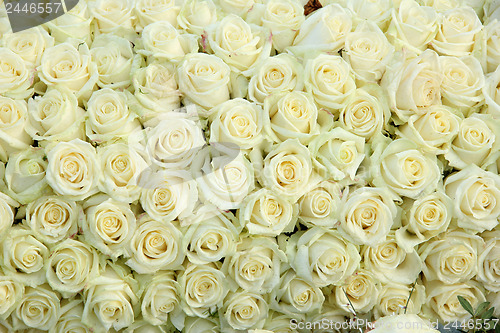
(466, 305)
(481, 308)
(488, 313)
(497, 328)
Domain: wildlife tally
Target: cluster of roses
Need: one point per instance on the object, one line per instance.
(365, 180)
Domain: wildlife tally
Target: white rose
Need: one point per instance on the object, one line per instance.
(29, 44)
(24, 256)
(203, 289)
(155, 246)
(53, 218)
(244, 310)
(476, 198)
(109, 227)
(239, 7)
(70, 319)
(77, 23)
(265, 213)
(238, 44)
(204, 80)
(276, 74)
(149, 11)
(432, 131)
(279, 323)
(329, 79)
(237, 121)
(11, 292)
(25, 175)
(492, 41)
(114, 60)
(413, 85)
(201, 325)
(360, 291)
(404, 169)
(413, 26)
(365, 112)
(39, 308)
(368, 215)
(114, 16)
(195, 15)
(338, 153)
(13, 125)
(476, 142)
(324, 30)
(488, 262)
(319, 206)
(423, 219)
(457, 33)
(378, 12)
(395, 299)
(255, 265)
(7, 205)
(322, 257)
(283, 18)
(491, 92)
(463, 81)
(442, 5)
(368, 52)
(55, 116)
(16, 76)
(73, 169)
(411, 322)
(162, 41)
(71, 265)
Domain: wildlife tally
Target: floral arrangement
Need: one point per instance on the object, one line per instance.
(250, 165)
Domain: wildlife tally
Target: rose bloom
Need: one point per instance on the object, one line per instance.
(7, 205)
(39, 309)
(362, 290)
(195, 15)
(16, 76)
(13, 124)
(76, 23)
(393, 298)
(29, 44)
(114, 16)
(491, 93)
(319, 206)
(12, 292)
(393, 324)
(283, 18)
(149, 11)
(488, 262)
(243, 310)
(71, 314)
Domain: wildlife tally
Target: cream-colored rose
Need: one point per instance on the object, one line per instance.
(491, 92)
(365, 113)
(325, 30)
(329, 79)
(25, 175)
(211, 238)
(432, 131)
(168, 194)
(279, 323)
(463, 81)
(276, 74)
(377, 11)
(121, 167)
(195, 15)
(238, 44)
(489, 262)
(283, 18)
(291, 115)
(162, 41)
(203, 289)
(394, 299)
(155, 246)
(160, 301)
(239, 7)
(423, 219)
(114, 16)
(244, 310)
(39, 309)
(150, 11)
(204, 80)
(13, 125)
(70, 319)
(338, 153)
(442, 301)
(29, 44)
(11, 292)
(16, 75)
(322, 257)
(73, 169)
(69, 65)
(109, 227)
(201, 325)
(492, 41)
(476, 198)
(24, 256)
(156, 90)
(255, 265)
(109, 300)
(319, 206)
(71, 266)
(450, 258)
(402, 167)
(53, 218)
(295, 296)
(265, 213)
(55, 116)
(368, 52)
(114, 59)
(368, 215)
(442, 5)
(237, 121)
(457, 33)
(413, 26)
(408, 323)
(360, 291)
(413, 85)
(476, 142)
(77, 23)
(108, 116)
(7, 205)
